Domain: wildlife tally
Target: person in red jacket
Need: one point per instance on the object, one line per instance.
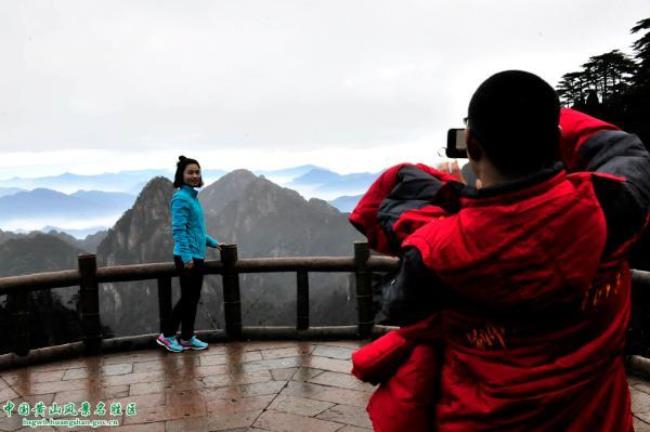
(522, 287)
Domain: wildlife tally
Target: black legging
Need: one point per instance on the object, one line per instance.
(184, 313)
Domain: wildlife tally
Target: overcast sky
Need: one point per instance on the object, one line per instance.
(94, 86)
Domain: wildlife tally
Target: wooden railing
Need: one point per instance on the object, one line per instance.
(88, 277)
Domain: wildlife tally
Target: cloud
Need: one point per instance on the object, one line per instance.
(277, 78)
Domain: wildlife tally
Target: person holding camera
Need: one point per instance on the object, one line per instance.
(516, 294)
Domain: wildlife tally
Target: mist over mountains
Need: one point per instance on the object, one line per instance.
(132, 182)
(79, 214)
(126, 181)
(81, 205)
(329, 185)
(4, 191)
(346, 203)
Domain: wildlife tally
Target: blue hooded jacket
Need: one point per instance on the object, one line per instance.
(188, 225)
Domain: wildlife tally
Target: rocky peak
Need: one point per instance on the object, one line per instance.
(270, 220)
(36, 253)
(229, 187)
(143, 233)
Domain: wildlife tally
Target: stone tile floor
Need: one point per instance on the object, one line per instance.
(251, 386)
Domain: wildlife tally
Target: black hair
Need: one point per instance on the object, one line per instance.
(180, 169)
(514, 115)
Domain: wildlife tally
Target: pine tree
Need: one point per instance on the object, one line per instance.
(637, 109)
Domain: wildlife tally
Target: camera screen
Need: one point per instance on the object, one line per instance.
(456, 144)
(460, 139)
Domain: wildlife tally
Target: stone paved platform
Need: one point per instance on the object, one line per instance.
(252, 386)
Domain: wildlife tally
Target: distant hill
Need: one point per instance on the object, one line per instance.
(328, 185)
(292, 172)
(101, 198)
(92, 241)
(316, 176)
(124, 181)
(88, 244)
(286, 175)
(53, 316)
(9, 191)
(6, 235)
(28, 204)
(38, 201)
(354, 184)
(42, 207)
(36, 253)
(345, 204)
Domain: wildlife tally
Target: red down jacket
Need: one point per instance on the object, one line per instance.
(534, 291)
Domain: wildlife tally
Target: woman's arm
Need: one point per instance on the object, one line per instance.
(211, 242)
(180, 214)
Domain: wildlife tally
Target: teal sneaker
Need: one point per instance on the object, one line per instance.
(193, 343)
(169, 343)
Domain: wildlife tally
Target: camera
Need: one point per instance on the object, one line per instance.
(456, 147)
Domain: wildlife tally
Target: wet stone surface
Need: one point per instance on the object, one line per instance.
(234, 387)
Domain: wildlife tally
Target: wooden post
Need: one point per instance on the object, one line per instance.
(638, 333)
(164, 301)
(89, 304)
(302, 303)
(19, 303)
(231, 298)
(364, 290)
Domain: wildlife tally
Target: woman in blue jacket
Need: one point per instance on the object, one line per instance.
(190, 241)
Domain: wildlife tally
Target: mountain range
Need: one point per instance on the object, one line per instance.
(263, 219)
(345, 203)
(329, 185)
(88, 244)
(27, 204)
(80, 213)
(130, 182)
(84, 204)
